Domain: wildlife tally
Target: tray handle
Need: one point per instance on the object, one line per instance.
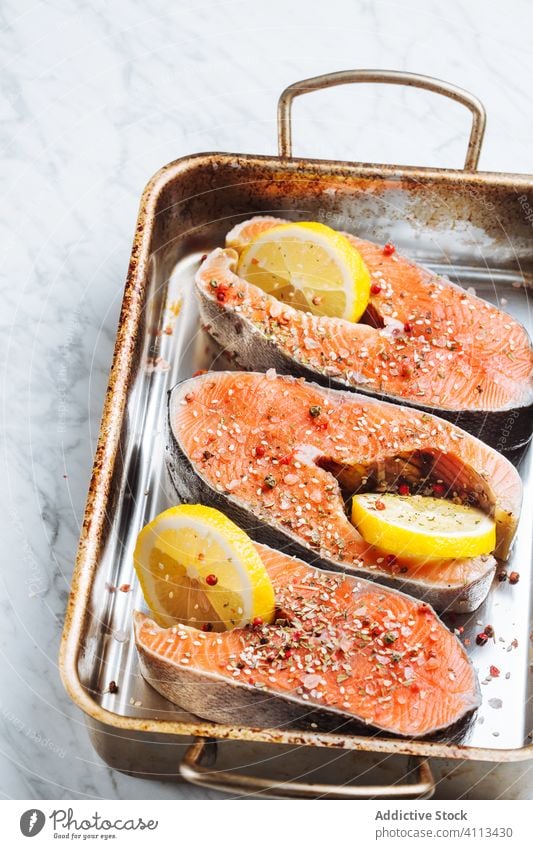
(205, 775)
(392, 78)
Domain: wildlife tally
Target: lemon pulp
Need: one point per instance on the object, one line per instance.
(309, 266)
(197, 567)
(422, 526)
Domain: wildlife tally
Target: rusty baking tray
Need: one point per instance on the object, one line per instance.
(474, 227)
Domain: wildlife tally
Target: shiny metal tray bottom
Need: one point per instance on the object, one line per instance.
(472, 227)
(147, 491)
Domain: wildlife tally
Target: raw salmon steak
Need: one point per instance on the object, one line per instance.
(340, 647)
(282, 456)
(423, 341)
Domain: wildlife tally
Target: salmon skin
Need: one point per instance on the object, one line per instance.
(277, 454)
(340, 647)
(423, 341)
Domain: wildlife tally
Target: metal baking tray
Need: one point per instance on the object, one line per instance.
(474, 227)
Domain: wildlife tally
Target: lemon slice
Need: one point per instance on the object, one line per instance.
(421, 526)
(309, 266)
(197, 567)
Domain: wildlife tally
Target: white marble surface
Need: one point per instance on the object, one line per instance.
(95, 96)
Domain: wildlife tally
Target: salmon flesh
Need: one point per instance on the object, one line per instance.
(423, 341)
(341, 649)
(283, 457)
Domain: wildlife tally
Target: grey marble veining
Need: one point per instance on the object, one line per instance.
(95, 97)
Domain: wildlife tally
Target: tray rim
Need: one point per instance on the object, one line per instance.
(107, 447)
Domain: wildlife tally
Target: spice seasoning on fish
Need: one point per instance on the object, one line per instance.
(411, 325)
(328, 650)
(211, 580)
(278, 461)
